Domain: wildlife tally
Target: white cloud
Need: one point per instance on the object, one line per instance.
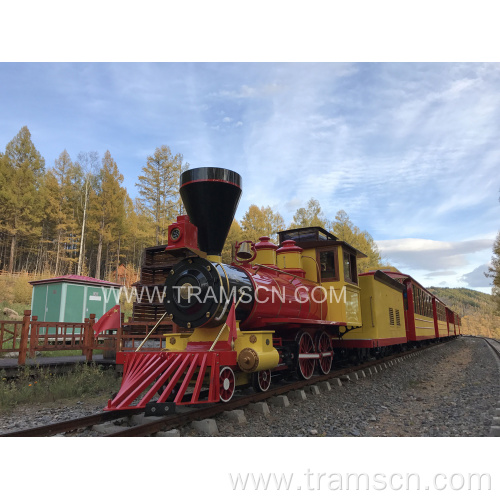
(293, 204)
(477, 278)
(440, 273)
(430, 255)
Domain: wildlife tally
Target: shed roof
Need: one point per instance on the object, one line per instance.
(73, 278)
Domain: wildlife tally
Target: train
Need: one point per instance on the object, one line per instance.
(291, 309)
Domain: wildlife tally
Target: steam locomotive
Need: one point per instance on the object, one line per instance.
(278, 310)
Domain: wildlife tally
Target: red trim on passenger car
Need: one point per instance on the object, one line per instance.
(370, 343)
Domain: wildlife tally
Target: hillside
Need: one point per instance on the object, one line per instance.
(465, 301)
(478, 310)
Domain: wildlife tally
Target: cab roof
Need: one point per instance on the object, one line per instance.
(315, 237)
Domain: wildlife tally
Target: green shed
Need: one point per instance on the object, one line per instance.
(71, 298)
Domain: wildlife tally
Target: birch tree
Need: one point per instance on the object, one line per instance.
(88, 164)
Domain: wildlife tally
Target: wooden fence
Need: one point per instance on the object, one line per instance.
(30, 276)
(29, 336)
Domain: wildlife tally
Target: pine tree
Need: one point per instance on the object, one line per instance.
(345, 230)
(143, 231)
(159, 189)
(3, 211)
(22, 175)
(106, 211)
(50, 193)
(68, 180)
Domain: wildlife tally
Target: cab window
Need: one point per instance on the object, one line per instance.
(327, 265)
(350, 271)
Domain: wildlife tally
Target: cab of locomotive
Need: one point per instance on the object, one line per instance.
(332, 264)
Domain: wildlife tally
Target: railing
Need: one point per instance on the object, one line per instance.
(29, 336)
(18, 274)
(52, 336)
(10, 335)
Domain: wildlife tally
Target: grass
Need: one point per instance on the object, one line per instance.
(73, 352)
(15, 306)
(40, 385)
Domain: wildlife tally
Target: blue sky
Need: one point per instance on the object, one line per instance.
(410, 151)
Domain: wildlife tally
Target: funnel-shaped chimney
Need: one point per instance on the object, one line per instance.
(210, 196)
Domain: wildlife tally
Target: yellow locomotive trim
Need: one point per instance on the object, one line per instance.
(176, 341)
(258, 341)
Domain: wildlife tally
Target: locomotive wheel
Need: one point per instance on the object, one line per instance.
(261, 381)
(324, 347)
(307, 356)
(227, 384)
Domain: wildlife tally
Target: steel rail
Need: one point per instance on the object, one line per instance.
(71, 425)
(494, 345)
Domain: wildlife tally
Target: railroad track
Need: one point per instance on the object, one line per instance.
(71, 425)
(206, 411)
(494, 344)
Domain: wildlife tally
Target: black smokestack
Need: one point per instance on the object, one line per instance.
(211, 196)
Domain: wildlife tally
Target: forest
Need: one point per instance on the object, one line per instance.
(76, 217)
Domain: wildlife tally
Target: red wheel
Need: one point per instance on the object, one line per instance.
(324, 347)
(307, 355)
(261, 381)
(227, 384)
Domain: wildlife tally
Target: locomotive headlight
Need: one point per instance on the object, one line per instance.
(186, 291)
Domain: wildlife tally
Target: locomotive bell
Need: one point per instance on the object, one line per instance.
(244, 251)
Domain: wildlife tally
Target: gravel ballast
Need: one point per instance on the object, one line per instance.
(448, 390)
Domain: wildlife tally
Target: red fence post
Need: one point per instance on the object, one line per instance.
(33, 337)
(23, 343)
(90, 337)
(86, 351)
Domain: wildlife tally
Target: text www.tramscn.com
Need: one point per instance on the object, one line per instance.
(355, 481)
